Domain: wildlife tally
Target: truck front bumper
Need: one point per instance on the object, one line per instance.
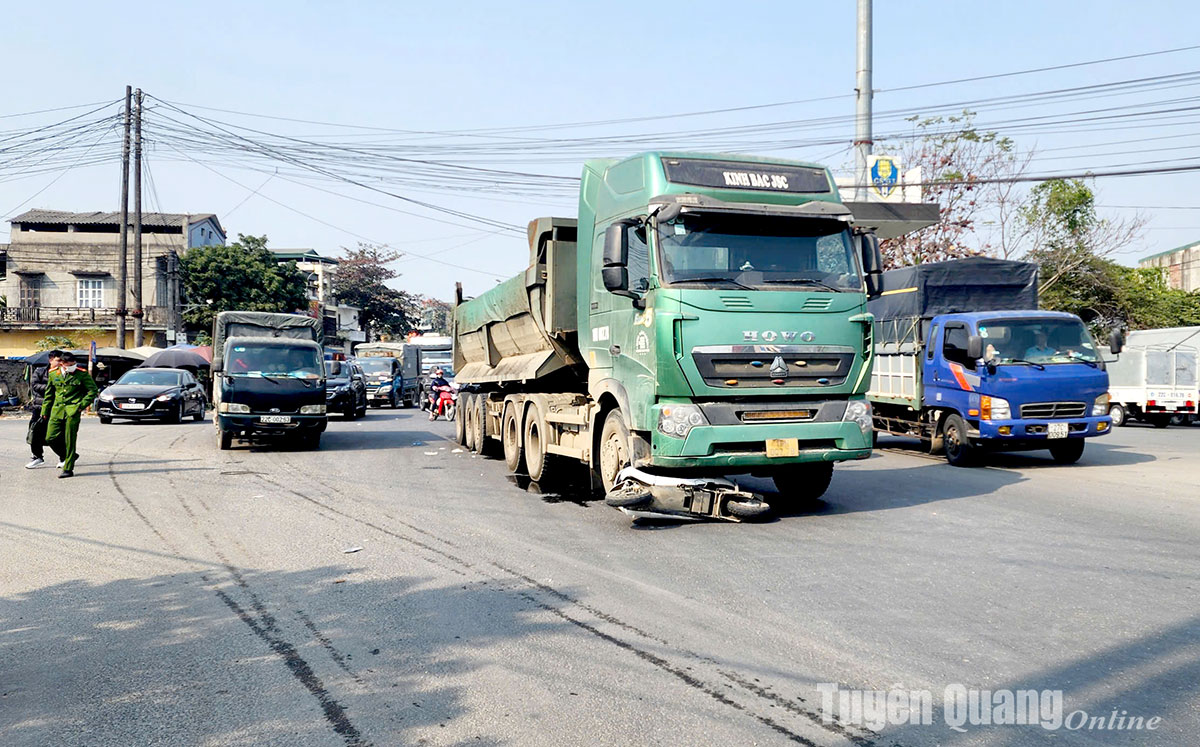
(1034, 433)
(252, 425)
(745, 445)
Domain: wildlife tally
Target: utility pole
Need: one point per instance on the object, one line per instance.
(138, 311)
(122, 269)
(862, 132)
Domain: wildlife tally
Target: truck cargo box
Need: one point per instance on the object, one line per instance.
(261, 324)
(923, 291)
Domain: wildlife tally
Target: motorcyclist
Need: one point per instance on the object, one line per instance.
(437, 384)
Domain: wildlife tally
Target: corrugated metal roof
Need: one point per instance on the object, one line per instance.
(64, 217)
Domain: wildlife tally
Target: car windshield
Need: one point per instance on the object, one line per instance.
(151, 378)
(759, 252)
(375, 365)
(274, 361)
(1040, 341)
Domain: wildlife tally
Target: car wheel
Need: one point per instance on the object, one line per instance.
(1118, 415)
(105, 420)
(176, 416)
(956, 442)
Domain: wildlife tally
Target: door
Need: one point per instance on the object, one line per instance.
(950, 373)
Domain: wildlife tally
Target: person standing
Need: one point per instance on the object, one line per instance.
(38, 378)
(69, 392)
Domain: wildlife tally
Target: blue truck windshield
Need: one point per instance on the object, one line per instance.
(719, 250)
(274, 361)
(1041, 341)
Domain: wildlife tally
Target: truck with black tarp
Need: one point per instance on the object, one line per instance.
(268, 377)
(966, 362)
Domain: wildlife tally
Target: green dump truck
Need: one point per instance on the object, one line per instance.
(704, 316)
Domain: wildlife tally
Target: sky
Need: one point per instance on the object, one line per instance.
(462, 84)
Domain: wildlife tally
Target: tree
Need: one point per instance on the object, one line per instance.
(960, 166)
(361, 281)
(1066, 235)
(435, 316)
(243, 276)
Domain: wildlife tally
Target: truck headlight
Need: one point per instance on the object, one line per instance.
(1100, 408)
(859, 411)
(234, 407)
(312, 410)
(678, 420)
(994, 408)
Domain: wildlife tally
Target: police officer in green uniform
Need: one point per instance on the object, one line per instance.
(69, 392)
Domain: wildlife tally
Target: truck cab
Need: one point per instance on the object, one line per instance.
(1014, 380)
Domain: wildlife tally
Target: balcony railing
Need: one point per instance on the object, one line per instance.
(72, 316)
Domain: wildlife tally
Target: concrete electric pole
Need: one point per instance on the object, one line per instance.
(122, 269)
(138, 310)
(862, 132)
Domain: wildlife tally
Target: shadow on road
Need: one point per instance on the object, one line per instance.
(248, 657)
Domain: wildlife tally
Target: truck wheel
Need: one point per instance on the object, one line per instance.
(310, 441)
(1068, 451)
(956, 442)
(1118, 415)
(224, 440)
(1179, 420)
(540, 464)
(460, 430)
(510, 437)
(468, 414)
(485, 445)
(803, 484)
(614, 449)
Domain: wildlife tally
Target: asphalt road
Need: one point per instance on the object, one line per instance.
(174, 594)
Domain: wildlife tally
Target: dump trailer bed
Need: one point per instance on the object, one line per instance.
(524, 329)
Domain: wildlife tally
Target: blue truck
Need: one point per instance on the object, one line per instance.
(966, 362)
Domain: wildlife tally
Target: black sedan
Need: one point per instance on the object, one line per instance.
(168, 394)
(345, 390)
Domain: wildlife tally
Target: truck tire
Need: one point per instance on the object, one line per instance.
(802, 485)
(614, 449)
(468, 417)
(1068, 451)
(1116, 411)
(956, 442)
(460, 431)
(224, 440)
(540, 464)
(510, 438)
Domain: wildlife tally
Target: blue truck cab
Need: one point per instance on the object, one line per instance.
(997, 379)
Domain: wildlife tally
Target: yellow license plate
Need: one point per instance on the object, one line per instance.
(783, 447)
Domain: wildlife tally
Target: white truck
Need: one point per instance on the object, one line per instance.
(1155, 378)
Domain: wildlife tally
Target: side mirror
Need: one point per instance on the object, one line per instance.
(335, 368)
(1116, 341)
(615, 268)
(974, 347)
(872, 262)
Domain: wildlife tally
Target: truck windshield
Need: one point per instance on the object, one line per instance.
(376, 365)
(274, 361)
(715, 250)
(431, 358)
(1041, 341)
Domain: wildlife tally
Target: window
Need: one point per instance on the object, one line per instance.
(954, 346)
(932, 343)
(31, 292)
(91, 293)
(639, 261)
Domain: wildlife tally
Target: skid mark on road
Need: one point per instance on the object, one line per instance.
(265, 627)
(529, 589)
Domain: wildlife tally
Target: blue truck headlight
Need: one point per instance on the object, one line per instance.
(859, 411)
(312, 410)
(678, 420)
(994, 408)
(1100, 407)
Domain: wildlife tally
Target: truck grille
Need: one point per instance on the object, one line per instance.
(1051, 410)
(773, 365)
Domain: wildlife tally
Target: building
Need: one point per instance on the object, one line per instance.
(1182, 265)
(58, 274)
(342, 326)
